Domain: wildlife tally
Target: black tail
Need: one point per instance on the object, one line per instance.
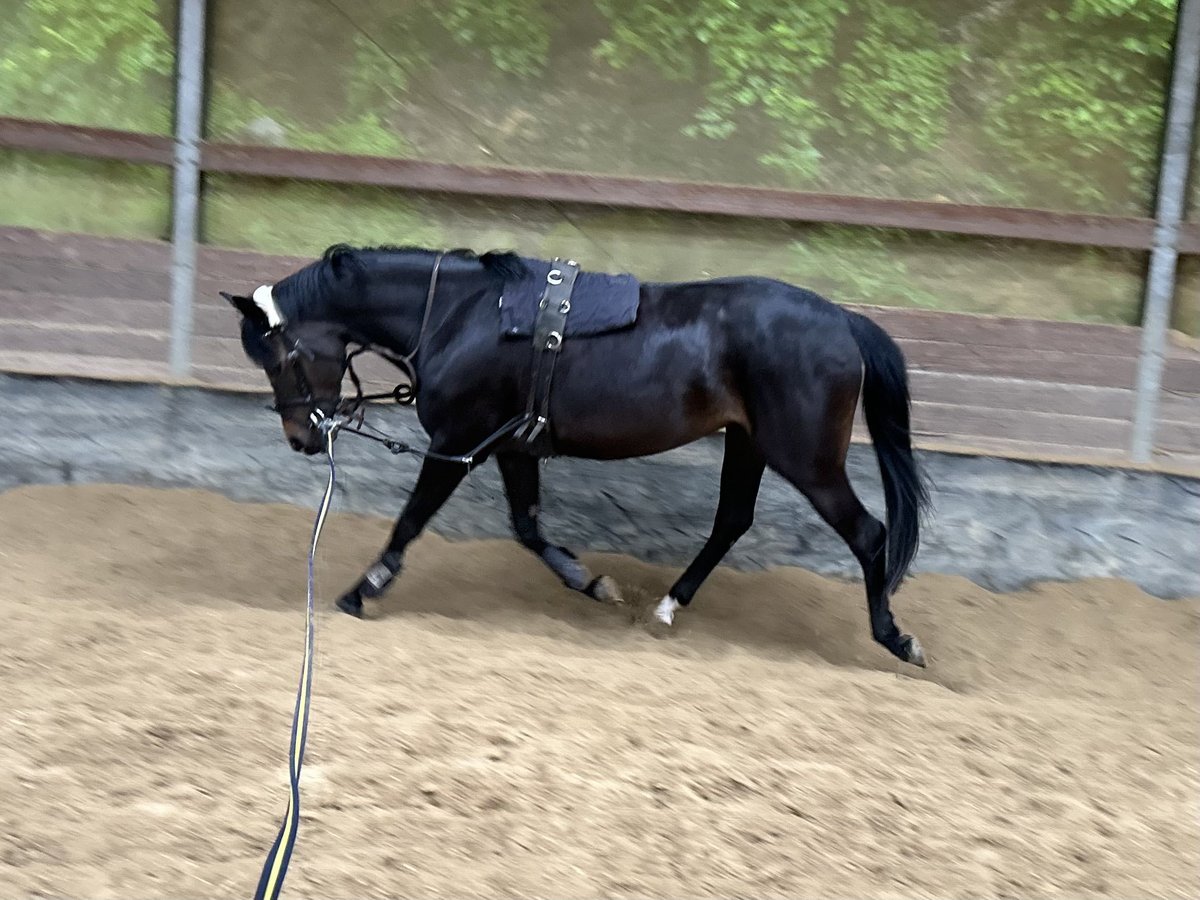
(886, 406)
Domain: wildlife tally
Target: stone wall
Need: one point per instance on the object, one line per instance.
(999, 522)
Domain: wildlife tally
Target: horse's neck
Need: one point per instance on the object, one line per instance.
(395, 304)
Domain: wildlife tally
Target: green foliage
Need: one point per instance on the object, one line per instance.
(1084, 113)
(1186, 313)
(762, 54)
(888, 267)
(661, 31)
(102, 62)
(782, 62)
(234, 117)
(378, 81)
(860, 265)
(515, 33)
(366, 134)
(305, 218)
(894, 90)
(91, 196)
(1065, 96)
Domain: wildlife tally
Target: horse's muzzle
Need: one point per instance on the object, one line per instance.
(303, 439)
(308, 449)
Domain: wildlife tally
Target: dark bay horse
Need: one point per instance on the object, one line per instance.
(780, 368)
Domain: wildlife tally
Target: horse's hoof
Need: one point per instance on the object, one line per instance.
(661, 621)
(912, 651)
(350, 605)
(658, 629)
(605, 590)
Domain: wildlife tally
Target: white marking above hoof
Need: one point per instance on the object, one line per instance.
(916, 654)
(665, 611)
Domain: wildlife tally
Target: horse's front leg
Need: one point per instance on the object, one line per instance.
(435, 484)
(522, 485)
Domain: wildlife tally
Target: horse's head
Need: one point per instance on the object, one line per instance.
(304, 361)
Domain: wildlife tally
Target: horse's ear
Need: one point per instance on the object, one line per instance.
(337, 263)
(342, 262)
(249, 310)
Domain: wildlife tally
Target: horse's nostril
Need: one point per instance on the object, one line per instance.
(296, 443)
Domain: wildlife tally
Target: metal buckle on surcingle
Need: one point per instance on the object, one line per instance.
(537, 428)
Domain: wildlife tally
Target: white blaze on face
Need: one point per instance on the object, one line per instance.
(264, 299)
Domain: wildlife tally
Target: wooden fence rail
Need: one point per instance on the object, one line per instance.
(1125, 232)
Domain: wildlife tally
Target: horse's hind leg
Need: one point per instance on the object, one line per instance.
(741, 476)
(807, 444)
(835, 500)
(522, 484)
(817, 470)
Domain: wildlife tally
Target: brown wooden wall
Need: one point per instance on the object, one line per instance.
(95, 307)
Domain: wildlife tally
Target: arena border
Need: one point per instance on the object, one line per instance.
(1004, 524)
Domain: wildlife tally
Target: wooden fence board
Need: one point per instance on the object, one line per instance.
(1177, 407)
(1023, 388)
(219, 351)
(67, 279)
(86, 141)
(1179, 437)
(1008, 393)
(85, 249)
(57, 309)
(1182, 375)
(240, 378)
(244, 269)
(1002, 331)
(119, 344)
(941, 419)
(1041, 450)
(72, 365)
(1026, 364)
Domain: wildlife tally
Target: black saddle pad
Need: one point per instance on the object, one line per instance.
(600, 303)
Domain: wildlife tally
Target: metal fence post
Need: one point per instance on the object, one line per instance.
(1172, 188)
(185, 196)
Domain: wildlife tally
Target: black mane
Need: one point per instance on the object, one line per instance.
(502, 262)
(307, 290)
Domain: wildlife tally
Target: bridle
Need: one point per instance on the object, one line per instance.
(347, 408)
(348, 414)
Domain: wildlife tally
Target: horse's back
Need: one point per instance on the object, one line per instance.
(748, 311)
(698, 357)
(741, 289)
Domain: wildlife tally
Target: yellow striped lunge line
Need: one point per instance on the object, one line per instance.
(275, 868)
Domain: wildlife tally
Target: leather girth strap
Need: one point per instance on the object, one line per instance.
(548, 333)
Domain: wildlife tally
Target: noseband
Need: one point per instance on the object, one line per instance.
(402, 393)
